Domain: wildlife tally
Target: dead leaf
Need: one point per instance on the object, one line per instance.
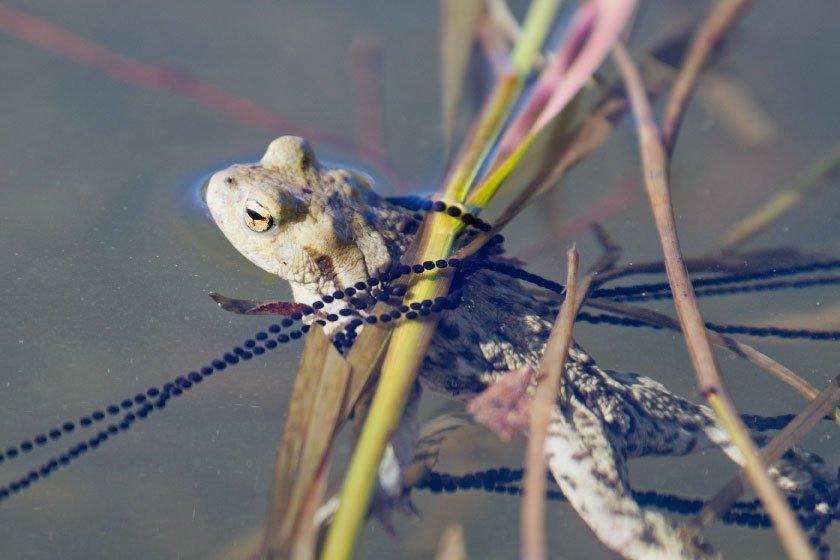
(505, 407)
(252, 307)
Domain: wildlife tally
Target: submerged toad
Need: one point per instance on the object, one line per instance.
(323, 230)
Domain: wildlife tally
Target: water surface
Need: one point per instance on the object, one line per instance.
(107, 260)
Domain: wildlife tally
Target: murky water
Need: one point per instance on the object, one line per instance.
(107, 258)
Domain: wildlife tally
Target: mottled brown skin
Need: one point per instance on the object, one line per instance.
(328, 230)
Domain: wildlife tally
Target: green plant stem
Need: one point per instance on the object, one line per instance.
(404, 356)
(480, 142)
(410, 340)
(484, 192)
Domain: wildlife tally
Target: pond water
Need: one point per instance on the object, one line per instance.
(107, 256)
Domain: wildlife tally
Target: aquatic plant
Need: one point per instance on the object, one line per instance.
(335, 376)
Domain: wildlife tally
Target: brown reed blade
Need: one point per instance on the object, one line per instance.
(738, 110)
(781, 203)
(313, 417)
(656, 174)
(452, 545)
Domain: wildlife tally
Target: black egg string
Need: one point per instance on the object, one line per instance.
(418, 204)
(505, 480)
(139, 406)
(812, 266)
(263, 341)
(750, 330)
(645, 289)
(156, 398)
(662, 289)
(777, 332)
(732, 290)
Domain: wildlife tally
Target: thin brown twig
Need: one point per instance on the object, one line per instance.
(804, 422)
(548, 384)
(719, 20)
(742, 349)
(655, 169)
(779, 204)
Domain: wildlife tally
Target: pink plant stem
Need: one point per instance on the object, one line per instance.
(548, 81)
(612, 18)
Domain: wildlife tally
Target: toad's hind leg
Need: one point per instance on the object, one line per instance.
(799, 473)
(667, 424)
(591, 470)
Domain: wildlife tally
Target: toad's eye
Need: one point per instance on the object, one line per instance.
(257, 216)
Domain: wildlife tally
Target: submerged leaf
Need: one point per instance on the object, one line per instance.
(253, 307)
(432, 436)
(740, 112)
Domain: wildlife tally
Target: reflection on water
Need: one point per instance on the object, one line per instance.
(109, 259)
